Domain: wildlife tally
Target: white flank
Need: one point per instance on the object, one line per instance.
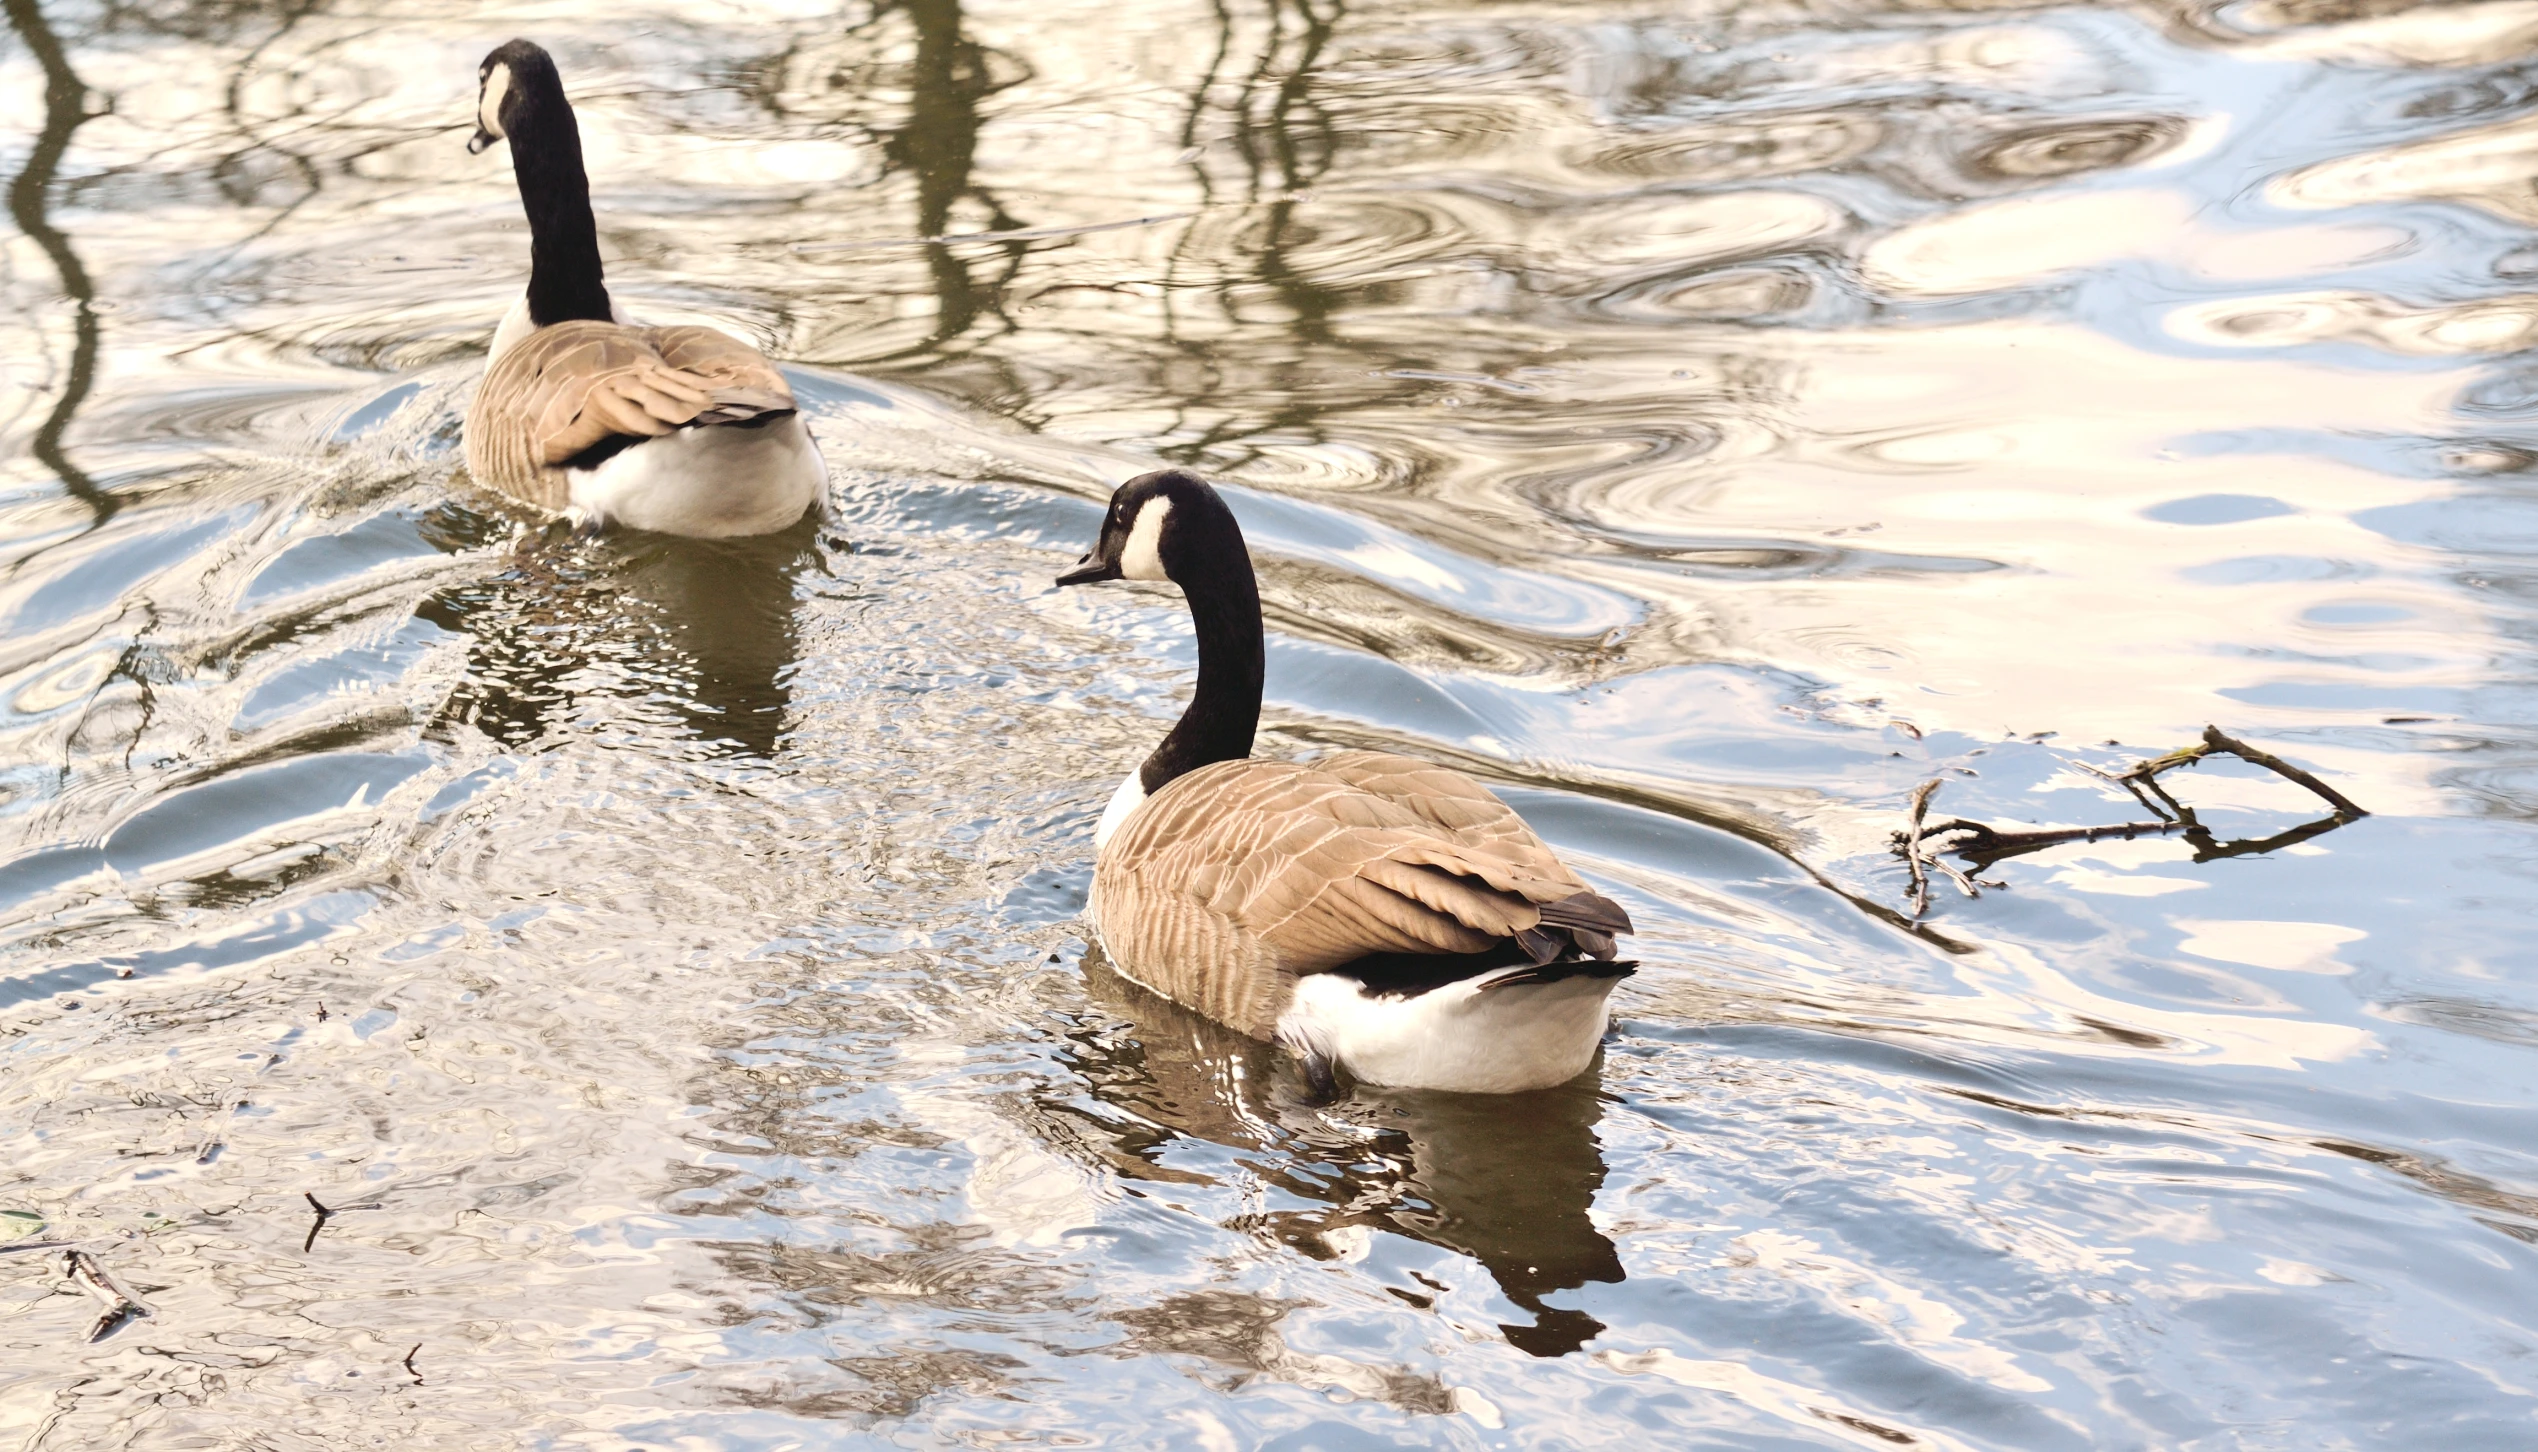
(1143, 558)
(711, 483)
(1123, 805)
(1464, 1036)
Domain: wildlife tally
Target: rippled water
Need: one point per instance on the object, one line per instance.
(1705, 422)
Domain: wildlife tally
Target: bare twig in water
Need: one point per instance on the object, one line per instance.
(1964, 883)
(2214, 740)
(1981, 844)
(409, 1363)
(215, 1135)
(325, 1213)
(1914, 845)
(2127, 783)
(1984, 845)
(91, 1276)
(1908, 842)
(2343, 805)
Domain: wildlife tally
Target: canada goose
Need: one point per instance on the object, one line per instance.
(1374, 913)
(682, 430)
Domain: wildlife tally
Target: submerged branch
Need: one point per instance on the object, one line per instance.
(1984, 845)
(1915, 855)
(91, 1275)
(1979, 844)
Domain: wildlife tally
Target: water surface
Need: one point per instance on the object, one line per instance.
(1705, 422)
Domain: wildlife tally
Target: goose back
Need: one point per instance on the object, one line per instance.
(1241, 876)
(564, 391)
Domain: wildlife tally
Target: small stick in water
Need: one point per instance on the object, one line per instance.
(1964, 884)
(1914, 856)
(1985, 843)
(409, 1363)
(2213, 738)
(326, 1213)
(91, 1276)
(2127, 783)
(215, 1136)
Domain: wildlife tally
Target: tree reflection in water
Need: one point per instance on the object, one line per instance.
(949, 76)
(30, 202)
(1505, 1179)
(1285, 141)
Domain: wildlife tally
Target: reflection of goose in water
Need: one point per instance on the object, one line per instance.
(703, 628)
(1505, 1179)
(1378, 915)
(683, 430)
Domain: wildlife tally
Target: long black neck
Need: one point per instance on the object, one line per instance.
(546, 153)
(1225, 710)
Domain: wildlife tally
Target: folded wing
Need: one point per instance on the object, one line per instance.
(568, 392)
(1243, 875)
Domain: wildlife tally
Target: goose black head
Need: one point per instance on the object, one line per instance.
(1166, 525)
(513, 78)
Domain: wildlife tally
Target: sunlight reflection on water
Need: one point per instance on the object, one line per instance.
(1704, 423)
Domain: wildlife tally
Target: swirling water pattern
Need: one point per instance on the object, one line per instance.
(1705, 421)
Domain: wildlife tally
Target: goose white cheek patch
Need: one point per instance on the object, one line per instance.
(1143, 558)
(489, 104)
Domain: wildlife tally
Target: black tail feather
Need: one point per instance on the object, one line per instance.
(1541, 946)
(1574, 937)
(738, 414)
(1564, 970)
(1407, 975)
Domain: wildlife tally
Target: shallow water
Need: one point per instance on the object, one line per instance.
(1706, 423)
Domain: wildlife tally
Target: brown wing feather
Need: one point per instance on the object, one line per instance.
(1241, 876)
(1448, 798)
(1474, 813)
(567, 387)
(744, 383)
(1169, 941)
